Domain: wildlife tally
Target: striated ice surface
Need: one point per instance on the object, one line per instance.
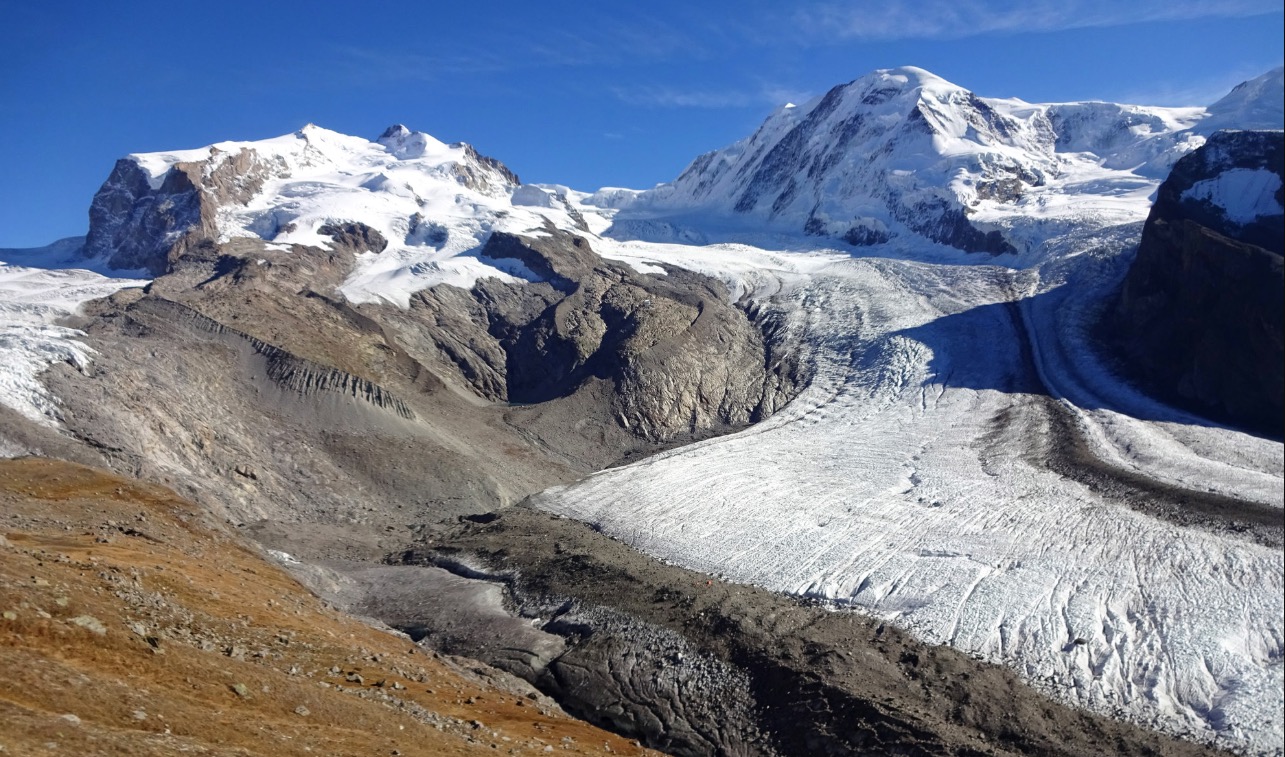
(913, 480)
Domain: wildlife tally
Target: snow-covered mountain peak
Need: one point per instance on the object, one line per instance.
(1255, 104)
(422, 202)
(405, 144)
(901, 153)
(898, 147)
(904, 80)
(396, 131)
(905, 84)
(313, 148)
(907, 92)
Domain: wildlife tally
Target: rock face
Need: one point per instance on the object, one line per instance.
(582, 364)
(133, 225)
(1200, 314)
(670, 352)
(137, 220)
(355, 236)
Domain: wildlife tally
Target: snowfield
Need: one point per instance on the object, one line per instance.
(434, 203)
(32, 299)
(1243, 194)
(911, 481)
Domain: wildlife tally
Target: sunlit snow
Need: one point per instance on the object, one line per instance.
(31, 301)
(1244, 194)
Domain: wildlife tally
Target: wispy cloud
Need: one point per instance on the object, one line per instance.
(597, 41)
(364, 63)
(660, 96)
(954, 19)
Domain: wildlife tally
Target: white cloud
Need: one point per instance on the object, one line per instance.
(659, 96)
(954, 19)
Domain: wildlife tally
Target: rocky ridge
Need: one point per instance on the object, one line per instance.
(1199, 316)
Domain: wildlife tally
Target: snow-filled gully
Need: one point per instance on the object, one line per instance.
(912, 480)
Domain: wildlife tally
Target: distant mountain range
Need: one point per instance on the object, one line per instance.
(901, 152)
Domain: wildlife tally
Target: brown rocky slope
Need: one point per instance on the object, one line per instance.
(133, 626)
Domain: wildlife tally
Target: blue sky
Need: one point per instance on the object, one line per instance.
(584, 94)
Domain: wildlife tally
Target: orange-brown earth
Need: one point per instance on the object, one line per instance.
(134, 625)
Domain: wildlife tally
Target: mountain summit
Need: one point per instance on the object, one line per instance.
(289, 189)
(902, 151)
(1254, 104)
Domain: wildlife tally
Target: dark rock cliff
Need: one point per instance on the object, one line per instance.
(1200, 315)
(137, 222)
(657, 356)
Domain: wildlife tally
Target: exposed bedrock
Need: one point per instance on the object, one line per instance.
(243, 357)
(695, 666)
(140, 222)
(354, 236)
(596, 345)
(1200, 315)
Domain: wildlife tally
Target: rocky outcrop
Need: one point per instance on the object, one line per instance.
(480, 171)
(1200, 314)
(289, 371)
(935, 219)
(674, 355)
(138, 221)
(134, 226)
(354, 236)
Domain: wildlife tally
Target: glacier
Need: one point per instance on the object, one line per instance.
(912, 481)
